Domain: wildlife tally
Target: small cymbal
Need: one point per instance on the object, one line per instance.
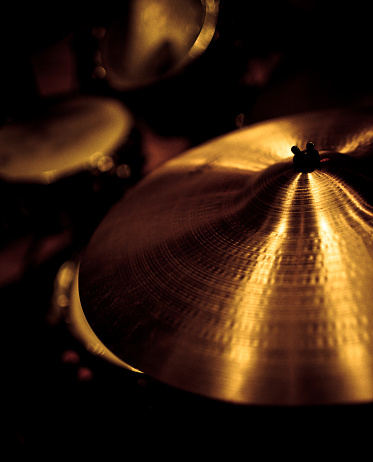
(230, 274)
(63, 140)
(155, 39)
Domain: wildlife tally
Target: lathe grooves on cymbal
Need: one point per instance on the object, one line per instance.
(229, 274)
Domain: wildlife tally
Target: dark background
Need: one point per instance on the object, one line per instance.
(267, 59)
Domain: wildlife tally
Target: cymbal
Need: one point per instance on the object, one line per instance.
(66, 303)
(63, 140)
(155, 39)
(230, 274)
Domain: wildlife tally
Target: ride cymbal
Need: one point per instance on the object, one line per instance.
(230, 274)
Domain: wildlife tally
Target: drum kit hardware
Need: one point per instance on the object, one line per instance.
(240, 270)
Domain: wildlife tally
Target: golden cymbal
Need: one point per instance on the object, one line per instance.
(230, 274)
(66, 303)
(63, 140)
(155, 39)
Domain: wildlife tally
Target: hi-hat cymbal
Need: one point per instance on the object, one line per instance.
(229, 274)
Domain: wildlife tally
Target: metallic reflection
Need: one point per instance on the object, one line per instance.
(229, 274)
(66, 304)
(156, 38)
(74, 136)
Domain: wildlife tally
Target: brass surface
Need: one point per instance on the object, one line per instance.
(72, 136)
(66, 304)
(156, 39)
(229, 274)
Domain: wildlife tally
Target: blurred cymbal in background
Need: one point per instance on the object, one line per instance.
(155, 39)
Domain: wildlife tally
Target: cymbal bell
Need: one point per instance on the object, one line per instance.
(230, 274)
